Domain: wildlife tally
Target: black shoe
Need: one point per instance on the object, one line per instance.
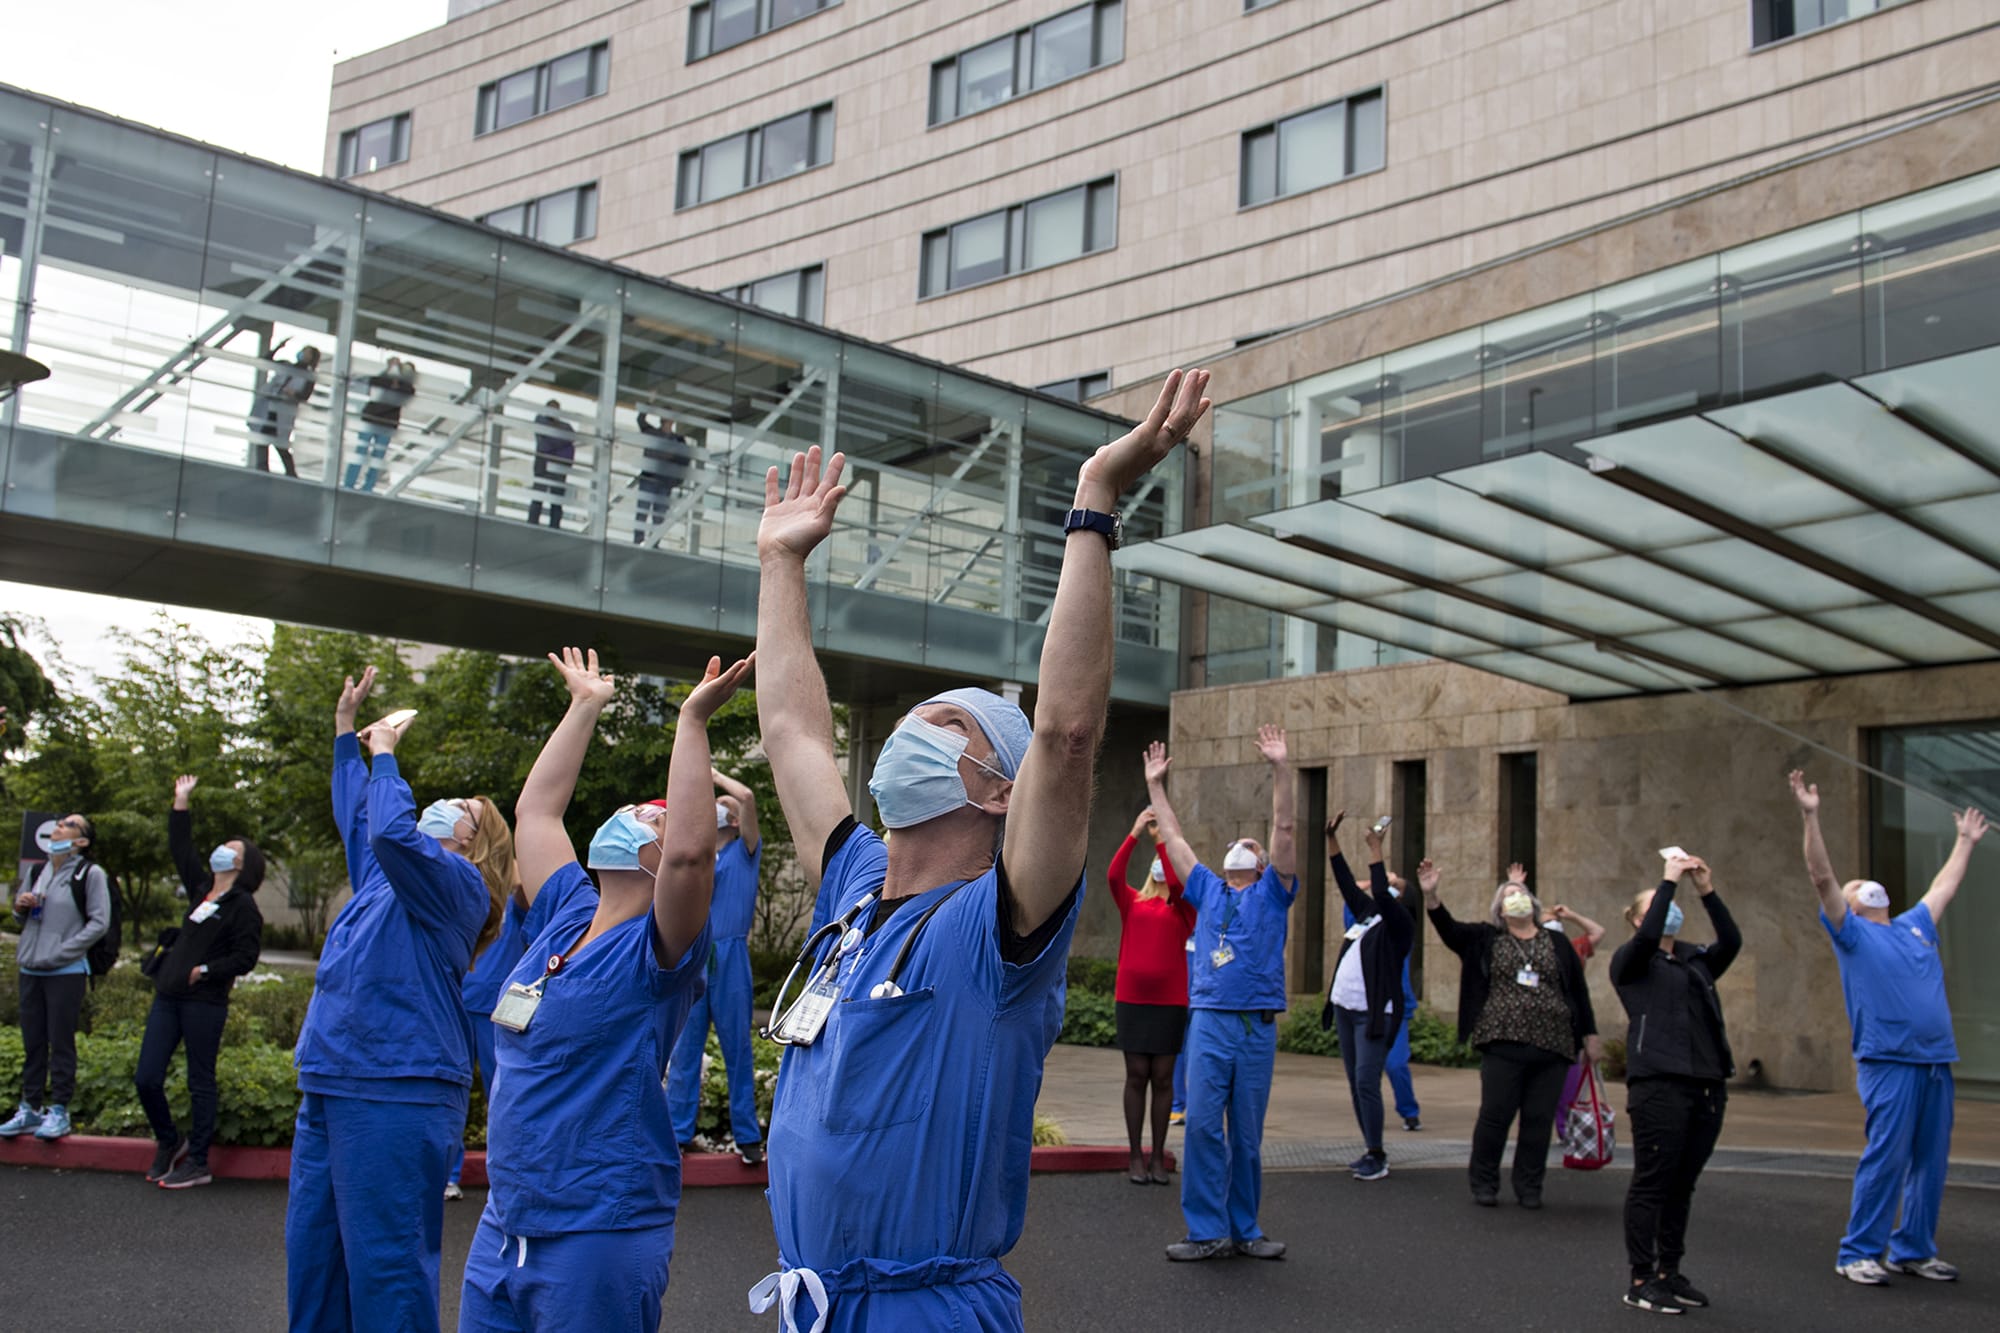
(1372, 1166)
(1486, 1198)
(185, 1176)
(751, 1153)
(1191, 1251)
(1261, 1248)
(1411, 1123)
(1684, 1291)
(1653, 1296)
(1531, 1201)
(166, 1157)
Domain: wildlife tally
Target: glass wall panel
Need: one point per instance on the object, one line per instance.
(1539, 380)
(1342, 441)
(1658, 345)
(887, 429)
(1932, 272)
(24, 137)
(1431, 407)
(1247, 458)
(976, 571)
(1791, 309)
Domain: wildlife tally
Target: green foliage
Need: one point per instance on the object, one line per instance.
(26, 692)
(1090, 1018)
(1612, 1066)
(1434, 1041)
(1097, 975)
(1049, 1134)
(712, 1119)
(255, 1085)
(1300, 1033)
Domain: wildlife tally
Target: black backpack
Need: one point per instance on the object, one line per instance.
(103, 952)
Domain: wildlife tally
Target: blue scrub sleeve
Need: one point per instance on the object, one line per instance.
(1201, 887)
(1275, 883)
(1843, 935)
(856, 862)
(441, 889)
(350, 805)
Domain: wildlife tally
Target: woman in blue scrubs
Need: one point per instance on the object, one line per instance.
(479, 992)
(385, 1055)
(901, 1137)
(580, 1152)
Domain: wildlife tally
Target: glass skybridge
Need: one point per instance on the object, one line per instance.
(281, 395)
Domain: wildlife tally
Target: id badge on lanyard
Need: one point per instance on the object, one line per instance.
(1528, 977)
(517, 1007)
(806, 1019)
(1222, 955)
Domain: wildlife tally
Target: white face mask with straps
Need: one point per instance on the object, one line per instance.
(1239, 857)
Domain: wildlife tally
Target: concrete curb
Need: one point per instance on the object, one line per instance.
(87, 1152)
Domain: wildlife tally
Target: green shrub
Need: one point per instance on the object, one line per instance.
(1299, 1031)
(255, 1085)
(1089, 1019)
(712, 1118)
(1099, 976)
(1049, 1134)
(1612, 1066)
(1434, 1041)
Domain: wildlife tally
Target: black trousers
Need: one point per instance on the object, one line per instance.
(1515, 1079)
(1674, 1124)
(50, 1008)
(548, 486)
(197, 1025)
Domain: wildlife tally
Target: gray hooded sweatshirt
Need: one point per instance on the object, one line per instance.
(61, 934)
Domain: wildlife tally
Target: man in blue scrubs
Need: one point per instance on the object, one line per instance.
(1236, 993)
(1893, 982)
(727, 1001)
(901, 1138)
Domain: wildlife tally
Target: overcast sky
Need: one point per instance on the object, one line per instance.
(243, 74)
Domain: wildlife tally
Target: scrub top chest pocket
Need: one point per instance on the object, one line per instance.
(881, 1061)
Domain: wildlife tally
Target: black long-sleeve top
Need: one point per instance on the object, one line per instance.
(1472, 941)
(228, 942)
(1675, 1017)
(1383, 947)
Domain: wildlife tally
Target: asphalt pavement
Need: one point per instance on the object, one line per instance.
(87, 1251)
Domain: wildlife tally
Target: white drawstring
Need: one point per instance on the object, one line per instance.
(782, 1289)
(521, 1259)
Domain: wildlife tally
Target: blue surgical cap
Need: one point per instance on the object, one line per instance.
(1005, 726)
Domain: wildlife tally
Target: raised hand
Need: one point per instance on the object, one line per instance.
(1156, 762)
(1109, 472)
(1373, 837)
(580, 674)
(380, 738)
(1971, 825)
(732, 805)
(1271, 744)
(1559, 911)
(798, 516)
(351, 695)
(1807, 797)
(184, 786)
(1143, 822)
(1704, 882)
(716, 688)
(1428, 876)
(1678, 866)
(1517, 874)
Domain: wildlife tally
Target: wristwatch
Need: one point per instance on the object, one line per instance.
(1108, 526)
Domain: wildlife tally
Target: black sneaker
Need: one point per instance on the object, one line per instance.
(1684, 1291)
(1486, 1198)
(1653, 1296)
(1372, 1166)
(1411, 1123)
(1261, 1248)
(751, 1153)
(1192, 1251)
(166, 1157)
(186, 1176)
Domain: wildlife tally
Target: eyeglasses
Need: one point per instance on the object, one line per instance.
(646, 813)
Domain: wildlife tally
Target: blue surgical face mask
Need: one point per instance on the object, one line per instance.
(916, 779)
(222, 859)
(1674, 918)
(440, 819)
(618, 841)
(57, 846)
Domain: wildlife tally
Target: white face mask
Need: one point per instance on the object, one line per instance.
(1872, 894)
(1158, 874)
(1517, 905)
(721, 815)
(1239, 857)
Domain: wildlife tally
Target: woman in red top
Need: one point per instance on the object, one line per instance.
(1152, 992)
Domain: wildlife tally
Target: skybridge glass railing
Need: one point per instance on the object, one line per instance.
(253, 358)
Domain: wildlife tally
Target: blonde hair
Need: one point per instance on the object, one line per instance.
(1632, 917)
(1154, 890)
(491, 851)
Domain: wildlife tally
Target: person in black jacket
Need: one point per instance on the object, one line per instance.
(1523, 1002)
(193, 968)
(1366, 997)
(1676, 1060)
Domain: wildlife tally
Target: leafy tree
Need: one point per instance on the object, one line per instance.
(26, 692)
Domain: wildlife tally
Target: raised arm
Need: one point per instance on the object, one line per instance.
(1284, 797)
(350, 777)
(1460, 937)
(1048, 829)
(180, 838)
(1728, 939)
(686, 878)
(541, 842)
(746, 809)
(1971, 828)
(1357, 902)
(1819, 866)
(793, 711)
(435, 886)
(1174, 849)
(1569, 916)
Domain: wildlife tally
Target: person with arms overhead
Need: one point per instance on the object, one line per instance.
(901, 1137)
(1155, 924)
(728, 1000)
(1893, 981)
(1366, 999)
(1235, 996)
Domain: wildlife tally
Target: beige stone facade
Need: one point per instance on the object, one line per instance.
(1509, 126)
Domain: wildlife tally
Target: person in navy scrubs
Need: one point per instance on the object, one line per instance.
(579, 1224)
(1236, 994)
(385, 1054)
(931, 988)
(727, 1002)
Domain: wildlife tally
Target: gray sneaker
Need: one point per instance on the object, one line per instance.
(1934, 1268)
(1864, 1271)
(1261, 1248)
(26, 1120)
(186, 1176)
(1192, 1251)
(166, 1157)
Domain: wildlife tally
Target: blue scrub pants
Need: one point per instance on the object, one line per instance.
(1180, 1080)
(1230, 1056)
(365, 1220)
(604, 1281)
(1909, 1146)
(482, 1050)
(1363, 1057)
(726, 1003)
(1398, 1069)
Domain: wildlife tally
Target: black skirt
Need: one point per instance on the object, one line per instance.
(1151, 1029)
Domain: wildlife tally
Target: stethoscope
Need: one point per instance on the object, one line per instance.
(851, 937)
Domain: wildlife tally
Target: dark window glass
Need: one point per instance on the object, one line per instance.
(569, 79)
(944, 91)
(1312, 148)
(986, 76)
(721, 24)
(549, 86)
(1260, 166)
(1518, 810)
(787, 147)
(770, 152)
(513, 219)
(1073, 42)
(1775, 20)
(1078, 389)
(517, 98)
(979, 250)
(1063, 47)
(1041, 232)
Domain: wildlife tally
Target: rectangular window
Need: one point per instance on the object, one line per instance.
(1078, 389)
(720, 24)
(547, 87)
(1775, 20)
(378, 144)
(562, 218)
(770, 152)
(1249, 5)
(1312, 148)
(1074, 42)
(1518, 807)
(1044, 231)
(800, 293)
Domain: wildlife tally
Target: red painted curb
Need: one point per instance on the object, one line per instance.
(87, 1152)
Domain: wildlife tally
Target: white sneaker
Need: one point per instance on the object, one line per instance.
(1864, 1271)
(452, 1191)
(1934, 1268)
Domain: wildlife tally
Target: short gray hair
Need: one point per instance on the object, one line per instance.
(1499, 894)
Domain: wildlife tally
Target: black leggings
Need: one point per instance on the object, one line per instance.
(1515, 1078)
(1674, 1124)
(1142, 1071)
(50, 1010)
(197, 1025)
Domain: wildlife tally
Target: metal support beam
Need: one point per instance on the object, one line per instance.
(873, 572)
(31, 257)
(343, 356)
(605, 440)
